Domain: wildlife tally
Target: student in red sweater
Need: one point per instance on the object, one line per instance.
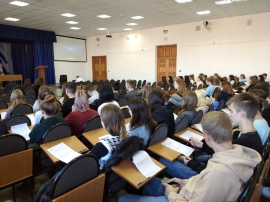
(80, 114)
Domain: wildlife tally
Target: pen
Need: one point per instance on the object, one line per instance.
(143, 181)
(82, 150)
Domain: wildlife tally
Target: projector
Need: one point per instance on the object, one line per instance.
(109, 35)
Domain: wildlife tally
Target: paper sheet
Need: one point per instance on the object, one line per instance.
(188, 134)
(21, 129)
(3, 115)
(226, 111)
(104, 137)
(144, 164)
(199, 126)
(63, 152)
(175, 116)
(127, 127)
(32, 119)
(176, 146)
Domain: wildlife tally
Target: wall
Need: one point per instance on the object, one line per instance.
(230, 46)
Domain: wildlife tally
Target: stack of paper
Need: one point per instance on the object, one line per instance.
(225, 111)
(199, 126)
(21, 129)
(188, 134)
(127, 126)
(176, 146)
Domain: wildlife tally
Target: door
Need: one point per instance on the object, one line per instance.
(166, 61)
(99, 68)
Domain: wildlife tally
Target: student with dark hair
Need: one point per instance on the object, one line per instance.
(142, 124)
(253, 80)
(163, 81)
(63, 97)
(226, 93)
(132, 93)
(265, 76)
(90, 90)
(231, 79)
(38, 82)
(262, 80)
(187, 81)
(26, 84)
(146, 90)
(159, 112)
(49, 108)
(42, 93)
(170, 81)
(106, 96)
(191, 79)
(115, 88)
(70, 91)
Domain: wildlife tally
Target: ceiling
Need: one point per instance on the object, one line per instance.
(46, 14)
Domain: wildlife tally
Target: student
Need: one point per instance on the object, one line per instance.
(190, 102)
(94, 95)
(231, 79)
(142, 124)
(130, 85)
(228, 162)
(253, 80)
(146, 90)
(265, 76)
(170, 81)
(42, 92)
(242, 79)
(16, 98)
(163, 81)
(210, 89)
(106, 96)
(27, 84)
(78, 79)
(191, 79)
(80, 114)
(199, 81)
(63, 97)
(159, 112)
(38, 82)
(115, 88)
(202, 103)
(236, 83)
(187, 81)
(49, 108)
(226, 93)
(262, 80)
(216, 76)
(176, 98)
(112, 120)
(70, 91)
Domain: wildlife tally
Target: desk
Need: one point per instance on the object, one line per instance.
(163, 151)
(3, 110)
(183, 131)
(17, 77)
(128, 171)
(93, 135)
(73, 142)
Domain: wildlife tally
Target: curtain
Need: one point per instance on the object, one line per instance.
(44, 56)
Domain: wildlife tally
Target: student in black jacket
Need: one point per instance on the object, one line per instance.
(70, 91)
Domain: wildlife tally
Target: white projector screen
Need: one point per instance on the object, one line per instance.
(69, 49)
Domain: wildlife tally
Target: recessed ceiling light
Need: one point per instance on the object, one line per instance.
(183, 1)
(72, 22)
(75, 28)
(137, 17)
(132, 24)
(19, 3)
(12, 19)
(127, 29)
(69, 15)
(101, 28)
(203, 12)
(103, 16)
(222, 2)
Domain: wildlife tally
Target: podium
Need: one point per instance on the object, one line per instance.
(41, 72)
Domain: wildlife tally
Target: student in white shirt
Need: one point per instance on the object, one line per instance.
(78, 79)
(94, 95)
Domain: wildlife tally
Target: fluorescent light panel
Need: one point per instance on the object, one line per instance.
(222, 2)
(132, 24)
(127, 29)
(12, 19)
(72, 22)
(19, 3)
(75, 28)
(69, 15)
(183, 1)
(203, 12)
(137, 17)
(103, 16)
(101, 28)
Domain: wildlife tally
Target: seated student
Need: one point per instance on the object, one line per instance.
(159, 112)
(38, 82)
(202, 103)
(49, 108)
(170, 81)
(236, 82)
(187, 81)
(226, 93)
(210, 89)
(216, 76)
(63, 97)
(112, 120)
(190, 102)
(253, 80)
(106, 96)
(228, 162)
(16, 98)
(80, 114)
(70, 91)
(42, 92)
(78, 79)
(115, 88)
(231, 79)
(163, 81)
(199, 81)
(27, 84)
(146, 90)
(191, 79)
(176, 98)
(130, 85)
(265, 76)
(242, 79)
(261, 80)
(94, 95)
(142, 124)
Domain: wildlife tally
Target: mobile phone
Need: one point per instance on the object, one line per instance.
(165, 180)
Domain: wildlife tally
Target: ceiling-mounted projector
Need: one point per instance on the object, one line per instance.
(109, 35)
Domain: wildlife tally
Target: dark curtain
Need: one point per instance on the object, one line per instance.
(22, 54)
(44, 56)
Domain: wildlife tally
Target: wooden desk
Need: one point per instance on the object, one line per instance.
(128, 171)
(17, 77)
(3, 110)
(183, 131)
(73, 142)
(93, 135)
(163, 151)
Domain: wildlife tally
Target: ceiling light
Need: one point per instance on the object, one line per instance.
(222, 2)
(19, 3)
(137, 17)
(101, 28)
(12, 19)
(75, 28)
(132, 24)
(127, 29)
(183, 1)
(103, 16)
(69, 15)
(203, 12)
(72, 22)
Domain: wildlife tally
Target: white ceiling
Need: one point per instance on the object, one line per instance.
(46, 14)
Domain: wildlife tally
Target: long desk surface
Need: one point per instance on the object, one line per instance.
(17, 77)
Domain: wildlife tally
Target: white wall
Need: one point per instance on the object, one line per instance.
(229, 47)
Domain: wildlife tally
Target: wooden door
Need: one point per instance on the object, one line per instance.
(166, 61)
(99, 68)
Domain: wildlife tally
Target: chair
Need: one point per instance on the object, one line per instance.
(22, 109)
(139, 84)
(2, 91)
(56, 132)
(154, 84)
(194, 88)
(29, 91)
(29, 100)
(166, 87)
(211, 108)
(59, 114)
(160, 133)
(197, 117)
(182, 124)
(143, 83)
(3, 105)
(123, 101)
(189, 86)
(126, 112)
(31, 95)
(6, 98)
(221, 105)
(17, 119)
(92, 124)
(63, 79)
(200, 86)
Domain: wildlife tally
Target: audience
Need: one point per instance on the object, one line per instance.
(131, 93)
(187, 81)
(70, 91)
(90, 90)
(78, 79)
(242, 79)
(225, 94)
(231, 79)
(16, 98)
(191, 79)
(199, 81)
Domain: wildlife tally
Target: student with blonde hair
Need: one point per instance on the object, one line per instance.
(146, 90)
(202, 103)
(63, 97)
(176, 98)
(16, 98)
(80, 114)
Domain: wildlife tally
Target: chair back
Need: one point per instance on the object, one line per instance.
(29, 91)
(166, 87)
(16, 120)
(143, 83)
(6, 98)
(92, 124)
(197, 117)
(200, 86)
(154, 84)
(3, 105)
(160, 133)
(194, 88)
(221, 105)
(22, 109)
(59, 114)
(2, 91)
(56, 132)
(123, 101)
(77, 172)
(31, 95)
(189, 86)
(126, 112)
(182, 124)
(29, 100)
(139, 84)
(211, 108)
(10, 144)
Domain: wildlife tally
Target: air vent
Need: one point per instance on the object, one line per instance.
(198, 28)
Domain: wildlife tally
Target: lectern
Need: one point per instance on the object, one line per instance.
(41, 72)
